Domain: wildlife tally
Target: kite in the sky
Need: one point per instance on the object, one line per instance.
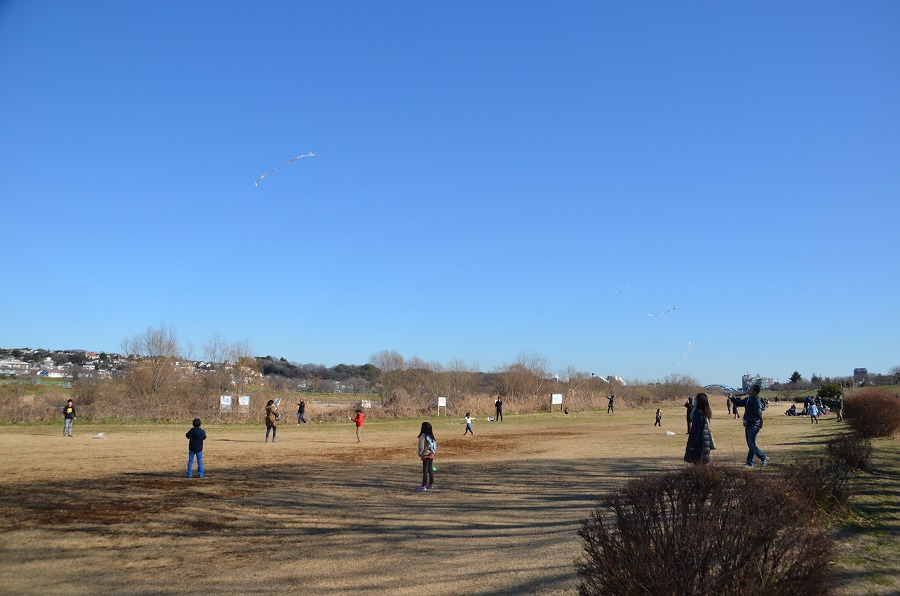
(293, 159)
(685, 354)
(660, 314)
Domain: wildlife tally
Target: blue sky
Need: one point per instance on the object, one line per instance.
(492, 179)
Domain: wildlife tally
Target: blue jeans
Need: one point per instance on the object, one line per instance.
(199, 455)
(750, 433)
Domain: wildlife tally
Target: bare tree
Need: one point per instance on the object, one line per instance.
(216, 349)
(526, 377)
(895, 373)
(240, 354)
(390, 366)
(157, 351)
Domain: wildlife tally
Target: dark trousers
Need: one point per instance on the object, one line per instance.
(499, 415)
(427, 472)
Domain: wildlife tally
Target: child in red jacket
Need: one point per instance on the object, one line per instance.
(360, 418)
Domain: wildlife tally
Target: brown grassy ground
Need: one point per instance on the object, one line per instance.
(317, 513)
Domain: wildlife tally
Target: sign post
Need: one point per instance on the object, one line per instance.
(556, 400)
(442, 403)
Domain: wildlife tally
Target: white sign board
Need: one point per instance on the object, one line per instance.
(442, 402)
(225, 403)
(365, 403)
(244, 403)
(556, 399)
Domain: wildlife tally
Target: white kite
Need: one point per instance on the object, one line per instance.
(661, 314)
(290, 161)
(685, 354)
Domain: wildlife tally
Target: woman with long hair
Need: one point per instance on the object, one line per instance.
(271, 419)
(427, 447)
(699, 440)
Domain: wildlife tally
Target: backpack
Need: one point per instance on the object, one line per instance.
(430, 444)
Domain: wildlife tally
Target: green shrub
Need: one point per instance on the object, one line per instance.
(873, 412)
(705, 530)
(829, 390)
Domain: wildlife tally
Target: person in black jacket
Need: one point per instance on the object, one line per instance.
(195, 437)
(753, 422)
(689, 407)
(699, 440)
(68, 417)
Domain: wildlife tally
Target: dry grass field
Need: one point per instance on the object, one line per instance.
(317, 513)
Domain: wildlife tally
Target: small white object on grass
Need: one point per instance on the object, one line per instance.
(670, 433)
(98, 436)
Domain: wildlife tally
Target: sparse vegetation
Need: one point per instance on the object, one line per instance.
(705, 530)
(873, 412)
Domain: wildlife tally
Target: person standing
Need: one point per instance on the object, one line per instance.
(699, 440)
(68, 418)
(359, 419)
(498, 407)
(610, 407)
(195, 438)
(753, 422)
(839, 407)
(728, 404)
(813, 414)
(689, 407)
(658, 418)
(427, 449)
(301, 411)
(271, 419)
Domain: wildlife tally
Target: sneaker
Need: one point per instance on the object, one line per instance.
(748, 465)
(765, 461)
(422, 488)
(429, 486)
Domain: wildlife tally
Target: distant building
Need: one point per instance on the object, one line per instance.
(860, 372)
(13, 366)
(763, 382)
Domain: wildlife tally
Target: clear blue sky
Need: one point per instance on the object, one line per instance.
(492, 179)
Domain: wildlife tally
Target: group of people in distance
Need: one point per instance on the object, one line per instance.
(814, 407)
(700, 438)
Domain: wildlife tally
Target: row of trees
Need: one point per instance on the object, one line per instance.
(160, 384)
(797, 381)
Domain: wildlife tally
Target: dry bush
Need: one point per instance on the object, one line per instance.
(873, 412)
(850, 450)
(823, 482)
(21, 402)
(704, 530)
